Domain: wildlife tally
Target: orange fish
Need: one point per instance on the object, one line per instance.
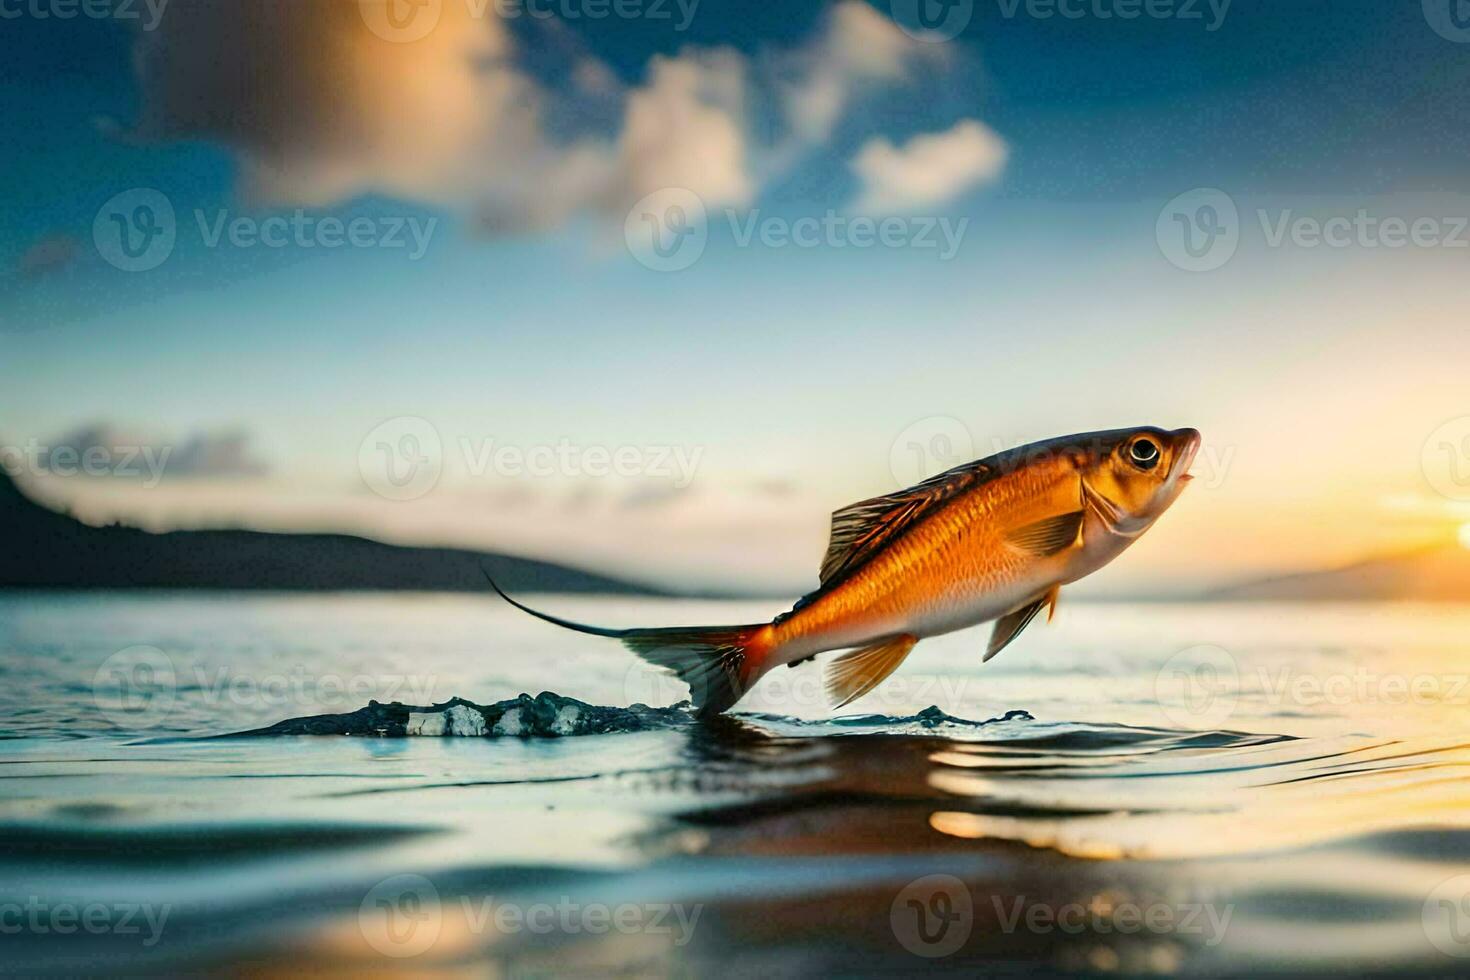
(994, 539)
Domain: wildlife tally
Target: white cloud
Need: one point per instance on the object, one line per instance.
(858, 46)
(319, 108)
(929, 171)
(684, 129)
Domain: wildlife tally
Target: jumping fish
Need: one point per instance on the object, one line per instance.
(995, 539)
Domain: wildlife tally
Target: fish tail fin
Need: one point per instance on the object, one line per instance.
(719, 663)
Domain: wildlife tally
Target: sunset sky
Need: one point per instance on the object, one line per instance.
(1035, 176)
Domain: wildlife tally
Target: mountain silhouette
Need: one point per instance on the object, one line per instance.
(1437, 574)
(45, 549)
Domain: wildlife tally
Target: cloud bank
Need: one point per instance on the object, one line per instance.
(319, 106)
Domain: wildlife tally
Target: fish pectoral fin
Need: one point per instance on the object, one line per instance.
(1009, 626)
(854, 674)
(1048, 536)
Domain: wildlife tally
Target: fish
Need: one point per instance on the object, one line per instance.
(991, 540)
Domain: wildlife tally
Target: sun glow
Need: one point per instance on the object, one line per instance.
(1465, 536)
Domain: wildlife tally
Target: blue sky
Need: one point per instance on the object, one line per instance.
(1317, 373)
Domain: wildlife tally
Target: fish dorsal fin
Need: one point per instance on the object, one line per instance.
(1009, 626)
(854, 674)
(860, 530)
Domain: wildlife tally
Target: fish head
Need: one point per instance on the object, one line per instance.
(1133, 475)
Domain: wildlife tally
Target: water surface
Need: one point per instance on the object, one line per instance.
(1195, 789)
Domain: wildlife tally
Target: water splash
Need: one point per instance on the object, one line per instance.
(551, 715)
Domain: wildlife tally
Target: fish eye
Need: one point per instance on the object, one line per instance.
(1144, 454)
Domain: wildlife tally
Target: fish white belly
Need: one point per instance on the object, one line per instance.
(976, 608)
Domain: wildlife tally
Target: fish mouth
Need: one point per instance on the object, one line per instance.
(1187, 443)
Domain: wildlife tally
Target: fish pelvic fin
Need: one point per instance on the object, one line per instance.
(1009, 626)
(854, 674)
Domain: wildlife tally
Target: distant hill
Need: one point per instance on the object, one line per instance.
(1439, 574)
(40, 548)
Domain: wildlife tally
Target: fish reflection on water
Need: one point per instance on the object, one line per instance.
(976, 838)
